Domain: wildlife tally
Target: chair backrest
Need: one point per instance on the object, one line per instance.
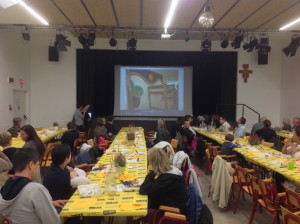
(289, 217)
(268, 144)
(170, 217)
(184, 165)
(174, 144)
(293, 198)
(90, 142)
(254, 186)
(47, 153)
(243, 178)
(268, 192)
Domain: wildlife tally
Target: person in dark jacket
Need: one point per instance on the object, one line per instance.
(228, 145)
(70, 136)
(164, 184)
(185, 131)
(110, 127)
(266, 133)
(16, 128)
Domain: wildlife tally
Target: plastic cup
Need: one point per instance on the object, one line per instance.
(291, 165)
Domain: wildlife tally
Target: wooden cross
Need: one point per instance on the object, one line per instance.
(245, 72)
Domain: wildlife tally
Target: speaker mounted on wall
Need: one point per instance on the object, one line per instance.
(262, 59)
(53, 54)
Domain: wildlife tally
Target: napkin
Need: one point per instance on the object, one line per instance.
(83, 203)
(127, 207)
(101, 175)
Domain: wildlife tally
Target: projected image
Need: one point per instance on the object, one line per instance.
(148, 89)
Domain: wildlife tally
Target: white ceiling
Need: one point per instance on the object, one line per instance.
(146, 17)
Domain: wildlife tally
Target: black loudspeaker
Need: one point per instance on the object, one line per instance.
(53, 54)
(262, 59)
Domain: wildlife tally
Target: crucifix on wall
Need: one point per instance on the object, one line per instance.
(245, 72)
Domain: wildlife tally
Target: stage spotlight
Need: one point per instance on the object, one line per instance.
(83, 40)
(113, 42)
(61, 43)
(293, 46)
(263, 47)
(91, 38)
(251, 45)
(206, 45)
(131, 44)
(224, 43)
(237, 41)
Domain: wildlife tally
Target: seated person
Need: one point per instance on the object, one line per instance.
(258, 125)
(240, 130)
(296, 122)
(228, 145)
(164, 185)
(292, 147)
(189, 118)
(185, 131)
(266, 133)
(167, 147)
(24, 201)
(286, 125)
(224, 124)
(16, 128)
(100, 131)
(71, 135)
(58, 177)
(110, 127)
(176, 127)
(161, 134)
(6, 156)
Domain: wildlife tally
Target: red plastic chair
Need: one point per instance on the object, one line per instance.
(290, 217)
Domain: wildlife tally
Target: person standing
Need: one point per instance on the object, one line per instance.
(79, 118)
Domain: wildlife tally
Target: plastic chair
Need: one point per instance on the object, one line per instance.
(47, 160)
(293, 199)
(172, 218)
(90, 142)
(174, 144)
(270, 199)
(290, 217)
(242, 175)
(161, 210)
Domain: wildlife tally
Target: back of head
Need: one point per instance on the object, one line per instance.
(60, 153)
(262, 119)
(229, 137)
(23, 157)
(101, 121)
(297, 131)
(267, 123)
(71, 125)
(161, 124)
(157, 158)
(286, 121)
(17, 121)
(5, 138)
(243, 120)
(110, 118)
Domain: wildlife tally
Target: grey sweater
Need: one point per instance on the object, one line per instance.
(33, 205)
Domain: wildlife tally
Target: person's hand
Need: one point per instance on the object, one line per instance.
(69, 168)
(156, 176)
(59, 203)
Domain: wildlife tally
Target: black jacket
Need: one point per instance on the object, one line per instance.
(168, 189)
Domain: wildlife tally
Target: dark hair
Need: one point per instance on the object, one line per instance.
(23, 157)
(229, 137)
(267, 123)
(223, 117)
(297, 131)
(17, 121)
(60, 153)
(188, 117)
(32, 136)
(71, 125)
(243, 120)
(184, 120)
(110, 118)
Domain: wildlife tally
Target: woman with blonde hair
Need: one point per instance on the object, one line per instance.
(286, 124)
(5, 163)
(164, 184)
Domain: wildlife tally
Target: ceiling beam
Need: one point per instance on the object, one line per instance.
(88, 12)
(114, 11)
(60, 10)
(226, 13)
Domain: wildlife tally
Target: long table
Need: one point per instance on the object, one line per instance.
(45, 134)
(260, 155)
(121, 203)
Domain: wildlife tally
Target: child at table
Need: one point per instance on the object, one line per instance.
(292, 147)
(228, 145)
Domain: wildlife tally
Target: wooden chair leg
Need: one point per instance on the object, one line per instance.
(237, 201)
(253, 212)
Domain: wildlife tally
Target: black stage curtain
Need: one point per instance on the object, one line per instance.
(214, 76)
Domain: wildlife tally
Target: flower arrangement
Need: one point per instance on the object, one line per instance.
(254, 140)
(130, 135)
(120, 160)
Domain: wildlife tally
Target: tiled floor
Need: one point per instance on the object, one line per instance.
(222, 216)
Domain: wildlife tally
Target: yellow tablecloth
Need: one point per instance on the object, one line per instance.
(258, 156)
(284, 134)
(45, 134)
(122, 203)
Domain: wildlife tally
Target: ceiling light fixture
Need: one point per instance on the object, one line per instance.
(187, 37)
(293, 46)
(34, 13)
(26, 34)
(253, 44)
(237, 41)
(113, 42)
(206, 44)
(263, 47)
(170, 14)
(165, 35)
(206, 19)
(131, 43)
(61, 43)
(290, 24)
(224, 41)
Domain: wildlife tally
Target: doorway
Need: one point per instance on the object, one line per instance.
(19, 105)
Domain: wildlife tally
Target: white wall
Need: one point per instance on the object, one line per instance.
(53, 84)
(14, 62)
